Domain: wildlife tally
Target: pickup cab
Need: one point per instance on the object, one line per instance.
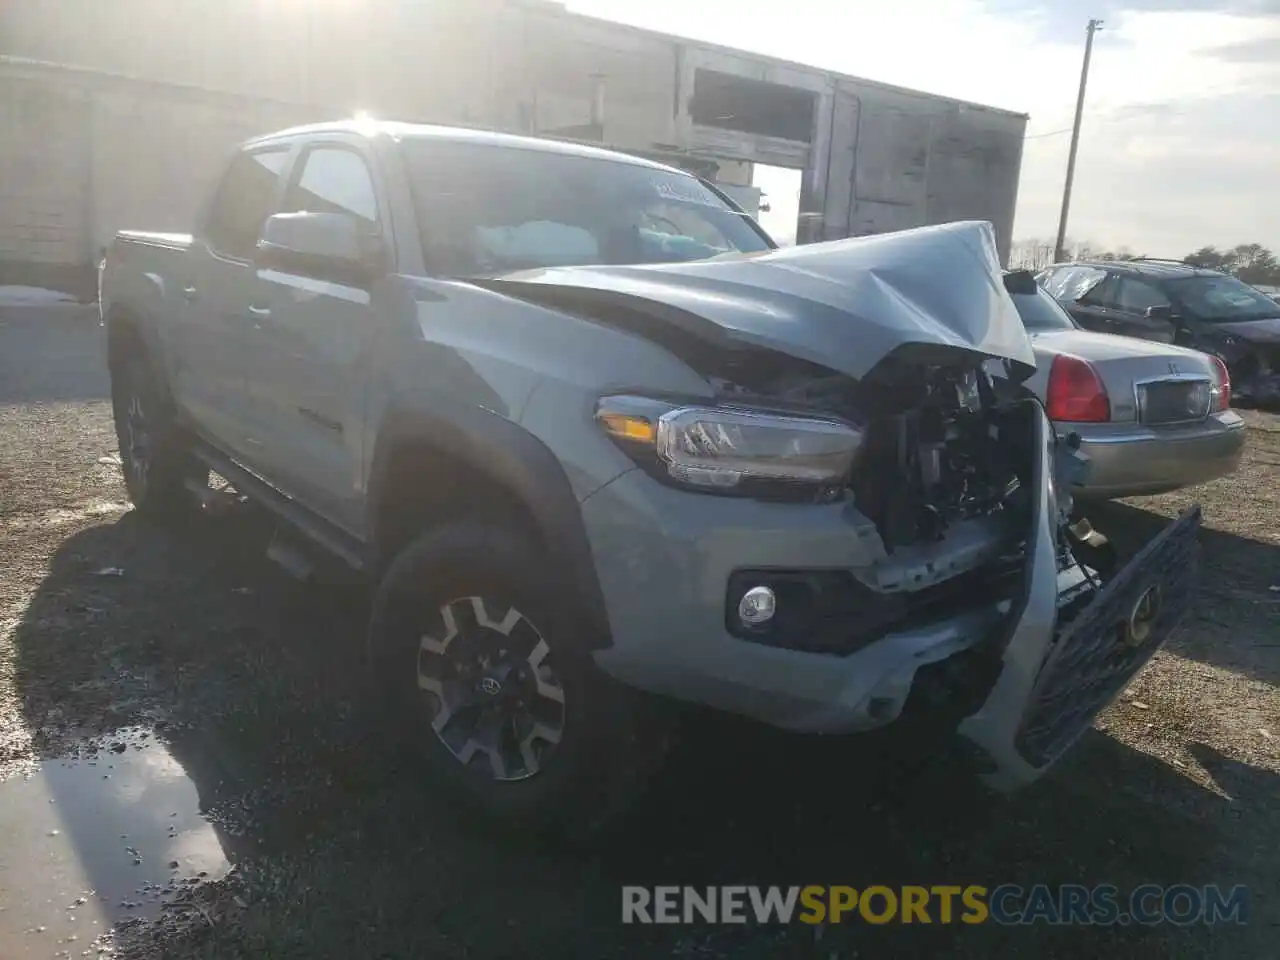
(601, 445)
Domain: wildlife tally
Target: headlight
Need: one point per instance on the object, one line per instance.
(731, 449)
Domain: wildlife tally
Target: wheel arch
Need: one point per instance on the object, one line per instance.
(130, 333)
(429, 468)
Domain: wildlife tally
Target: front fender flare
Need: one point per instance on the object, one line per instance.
(510, 456)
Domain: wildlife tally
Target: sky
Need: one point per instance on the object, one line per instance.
(1180, 145)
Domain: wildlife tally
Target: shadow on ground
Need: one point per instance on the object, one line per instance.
(1235, 623)
(342, 850)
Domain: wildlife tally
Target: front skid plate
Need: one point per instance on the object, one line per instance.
(1099, 651)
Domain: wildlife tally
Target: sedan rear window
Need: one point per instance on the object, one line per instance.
(489, 209)
(1039, 311)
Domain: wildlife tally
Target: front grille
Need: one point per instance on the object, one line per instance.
(1174, 401)
(1098, 652)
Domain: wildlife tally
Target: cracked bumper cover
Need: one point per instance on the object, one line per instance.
(664, 557)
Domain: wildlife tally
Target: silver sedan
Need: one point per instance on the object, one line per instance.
(1151, 417)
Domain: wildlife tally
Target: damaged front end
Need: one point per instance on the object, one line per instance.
(1254, 369)
(883, 379)
(968, 490)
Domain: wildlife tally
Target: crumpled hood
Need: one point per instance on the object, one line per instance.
(845, 305)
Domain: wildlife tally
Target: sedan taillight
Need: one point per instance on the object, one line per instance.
(1222, 385)
(1076, 393)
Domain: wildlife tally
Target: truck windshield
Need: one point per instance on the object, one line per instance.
(1223, 299)
(489, 209)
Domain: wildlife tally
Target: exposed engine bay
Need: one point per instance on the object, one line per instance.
(940, 447)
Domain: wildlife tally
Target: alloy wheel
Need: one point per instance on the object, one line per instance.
(493, 695)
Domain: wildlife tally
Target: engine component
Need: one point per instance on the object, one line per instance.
(948, 458)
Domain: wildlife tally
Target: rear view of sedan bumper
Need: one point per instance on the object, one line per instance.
(1131, 460)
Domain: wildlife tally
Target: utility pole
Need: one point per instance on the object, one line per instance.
(1094, 27)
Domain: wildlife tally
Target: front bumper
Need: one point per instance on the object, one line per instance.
(664, 558)
(1130, 460)
(1047, 696)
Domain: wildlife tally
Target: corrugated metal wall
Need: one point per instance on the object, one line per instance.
(161, 90)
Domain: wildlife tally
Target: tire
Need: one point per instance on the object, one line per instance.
(573, 747)
(154, 455)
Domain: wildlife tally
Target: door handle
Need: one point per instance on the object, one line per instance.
(188, 292)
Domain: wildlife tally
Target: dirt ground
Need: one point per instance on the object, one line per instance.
(339, 849)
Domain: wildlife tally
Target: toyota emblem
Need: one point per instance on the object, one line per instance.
(489, 686)
(1142, 618)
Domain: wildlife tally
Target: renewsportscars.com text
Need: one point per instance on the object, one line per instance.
(1007, 904)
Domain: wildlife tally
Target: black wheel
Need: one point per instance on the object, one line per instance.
(153, 455)
(477, 655)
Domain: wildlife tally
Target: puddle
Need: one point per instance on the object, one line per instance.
(85, 843)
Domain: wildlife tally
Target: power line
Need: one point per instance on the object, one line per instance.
(1051, 133)
(1123, 114)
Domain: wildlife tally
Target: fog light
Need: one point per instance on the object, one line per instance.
(757, 606)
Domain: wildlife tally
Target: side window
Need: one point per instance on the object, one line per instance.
(243, 201)
(1074, 283)
(1100, 294)
(1054, 280)
(334, 180)
(1135, 296)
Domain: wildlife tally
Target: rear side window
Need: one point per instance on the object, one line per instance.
(1136, 296)
(1101, 294)
(334, 180)
(243, 202)
(1072, 283)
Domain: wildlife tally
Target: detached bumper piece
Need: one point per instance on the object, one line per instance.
(1098, 652)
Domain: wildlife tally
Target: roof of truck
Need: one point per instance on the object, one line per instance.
(424, 131)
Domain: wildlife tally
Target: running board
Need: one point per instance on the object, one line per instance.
(298, 518)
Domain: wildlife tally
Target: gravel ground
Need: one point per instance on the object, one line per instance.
(341, 850)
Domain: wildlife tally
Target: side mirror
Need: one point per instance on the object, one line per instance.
(324, 245)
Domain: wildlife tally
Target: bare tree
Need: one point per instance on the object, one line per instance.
(1033, 254)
